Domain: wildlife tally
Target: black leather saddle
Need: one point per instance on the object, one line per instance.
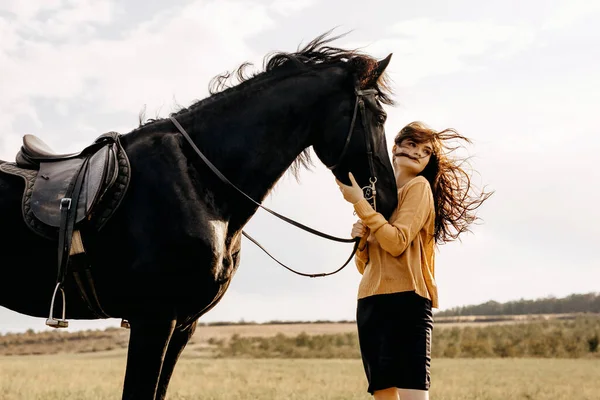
(69, 193)
(102, 168)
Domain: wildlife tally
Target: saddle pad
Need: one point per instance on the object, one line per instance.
(100, 214)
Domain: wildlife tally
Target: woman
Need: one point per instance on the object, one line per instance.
(396, 258)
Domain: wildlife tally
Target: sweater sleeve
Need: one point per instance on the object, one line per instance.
(395, 236)
(361, 257)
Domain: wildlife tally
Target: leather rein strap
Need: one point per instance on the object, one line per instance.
(356, 241)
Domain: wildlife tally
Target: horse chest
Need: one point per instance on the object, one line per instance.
(219, 257)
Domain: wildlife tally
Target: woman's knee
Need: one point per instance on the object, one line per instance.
(386, 394)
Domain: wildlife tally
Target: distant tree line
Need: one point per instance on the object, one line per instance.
(273, 322)
(575, 303)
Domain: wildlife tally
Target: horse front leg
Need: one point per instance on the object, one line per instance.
(178, 341)
(148, 341)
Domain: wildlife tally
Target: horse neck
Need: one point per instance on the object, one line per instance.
(252, 140)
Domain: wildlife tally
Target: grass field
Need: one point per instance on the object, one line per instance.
(98, 376)
(83, 370)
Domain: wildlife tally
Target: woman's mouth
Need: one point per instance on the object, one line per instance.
(407, 156)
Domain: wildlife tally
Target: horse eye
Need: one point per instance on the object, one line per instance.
(381, 118)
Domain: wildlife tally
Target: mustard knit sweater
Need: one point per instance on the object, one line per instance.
(399, 255)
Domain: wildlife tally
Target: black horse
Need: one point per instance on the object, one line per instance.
(168, 253)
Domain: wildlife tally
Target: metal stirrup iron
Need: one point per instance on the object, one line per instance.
(51, 321)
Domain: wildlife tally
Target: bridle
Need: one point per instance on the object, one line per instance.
(370, 191)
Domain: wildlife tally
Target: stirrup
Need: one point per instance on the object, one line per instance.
(51, 321)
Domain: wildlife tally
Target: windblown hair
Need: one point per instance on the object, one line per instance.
(315, 55)
(453, 194)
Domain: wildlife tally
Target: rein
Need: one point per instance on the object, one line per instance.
(370, 190)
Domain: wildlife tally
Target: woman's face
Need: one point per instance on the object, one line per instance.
(411, 157)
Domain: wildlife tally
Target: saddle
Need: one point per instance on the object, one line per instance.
(66, 194)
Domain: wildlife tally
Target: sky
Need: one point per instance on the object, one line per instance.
(521, 79)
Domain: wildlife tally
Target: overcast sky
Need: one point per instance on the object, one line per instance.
(522, 79)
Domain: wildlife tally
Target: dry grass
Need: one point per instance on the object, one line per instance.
(203, 333)
(487, 320)
(99, 377)
(226, 331)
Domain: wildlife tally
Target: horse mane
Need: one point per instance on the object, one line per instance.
(315, 55)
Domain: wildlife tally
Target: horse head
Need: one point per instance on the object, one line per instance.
(351, 136)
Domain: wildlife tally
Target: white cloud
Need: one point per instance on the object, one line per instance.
(288, 7)
(171, 54)
(73, 21)
(567, 13)
(29, 9)
(10, 39)
(425, 47)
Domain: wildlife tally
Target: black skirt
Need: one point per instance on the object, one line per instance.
(394, 332)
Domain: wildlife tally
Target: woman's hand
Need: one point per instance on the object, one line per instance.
(358, 229)
(352, 194)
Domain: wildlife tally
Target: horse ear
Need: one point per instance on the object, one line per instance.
(367, 74)
(370, 76)
(382, 65)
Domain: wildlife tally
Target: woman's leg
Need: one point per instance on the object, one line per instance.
(386, 394)
(412, 394)
(401, 394)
